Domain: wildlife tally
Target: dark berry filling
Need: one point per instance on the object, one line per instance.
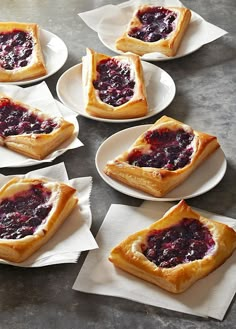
(114, 82)
(169, 149)
(17, 120)
(22, 214)
(157, 24)
(16, 49)
(182, 243)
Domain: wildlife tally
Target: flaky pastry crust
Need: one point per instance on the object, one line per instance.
(63, 199)
(37, 146)
(157, 181)
(36, 67)
(135, 107)
(129, 257)
(168, 46)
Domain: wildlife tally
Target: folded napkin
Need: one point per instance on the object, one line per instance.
(111, 21)
(40, 97)
(209, 297)
(74, 235)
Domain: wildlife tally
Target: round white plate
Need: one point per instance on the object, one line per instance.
(55, 55)
(159, 85)
(204, 178)
(11, 159)
(113, 25)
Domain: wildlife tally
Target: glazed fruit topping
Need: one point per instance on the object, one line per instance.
(182, 243)
(21, 214)
(169, 149)
(157, 23)
(114, 83)
(16, 49)
(17, 120)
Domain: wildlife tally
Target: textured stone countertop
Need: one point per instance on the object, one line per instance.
(205, 98)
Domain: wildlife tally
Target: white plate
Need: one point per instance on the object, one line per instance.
(108, 35)
(150, 57)
(204, 178)
(159, 85)
(11, 159)
(55, 55)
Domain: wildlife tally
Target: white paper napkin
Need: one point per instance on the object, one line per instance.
(111, 21)
(74, 235)
(40, 97)
(209, 297)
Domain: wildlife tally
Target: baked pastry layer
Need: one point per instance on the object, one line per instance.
(162, 157)
(193, 250)
(155, 29)
(113, 86)
(31, 212)
(29, 131)
(21, 56)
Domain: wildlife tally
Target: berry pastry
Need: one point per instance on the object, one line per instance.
(31, 211)
(21, 56)
(30, 131)
(113, 86)
(162, 157)
(155, 29)
(177, 250)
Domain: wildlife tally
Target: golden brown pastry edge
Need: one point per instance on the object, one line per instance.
(168, 47)
(180, 277)
(136, 107)
(154, 181)
(37, 67)
(38, 146)
(18, 250)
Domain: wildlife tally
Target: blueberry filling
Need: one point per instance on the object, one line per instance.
(114, 83)
(17, 120)
(16, 49)
(21, 214)
(169, 150)
(182, 243)
(157, 23)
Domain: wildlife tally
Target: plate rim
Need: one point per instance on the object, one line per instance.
(146, 196)
(56, 69)
(151, 114)
(151, 59)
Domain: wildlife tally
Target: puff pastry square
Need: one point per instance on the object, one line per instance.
(113, 87)
(162, 157)
(177, 250)
(21, 56)
(31, 211)
(155, 29)
(29, 131)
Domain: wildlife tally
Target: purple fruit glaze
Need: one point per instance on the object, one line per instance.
(21, 214)
(16, 120)
(169, 150)
(114, 82)
(182, 243)
(157, 23)
(16, 49)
